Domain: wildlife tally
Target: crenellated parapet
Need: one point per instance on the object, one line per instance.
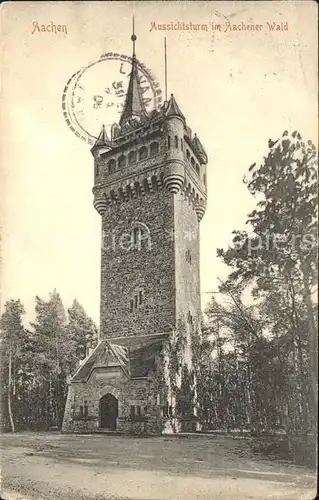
(158, 153)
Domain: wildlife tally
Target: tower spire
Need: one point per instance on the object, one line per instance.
(134, 106)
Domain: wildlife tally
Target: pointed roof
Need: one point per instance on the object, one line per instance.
(102, 139)
(102, 143)
(173, 109)
(199, 148)
(134, 106)
(131, 354)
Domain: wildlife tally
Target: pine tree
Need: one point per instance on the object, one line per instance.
(81, 330)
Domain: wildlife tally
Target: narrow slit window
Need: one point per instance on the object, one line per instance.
(131, 305)
(132, 412)
(136, 302)
(135, 235)
(140, 296)
(176, 141)
(168, 142)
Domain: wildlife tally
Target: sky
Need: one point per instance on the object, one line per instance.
(236, 88)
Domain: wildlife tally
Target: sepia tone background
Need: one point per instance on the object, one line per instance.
(236, 89)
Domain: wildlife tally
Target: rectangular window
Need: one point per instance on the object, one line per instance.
(131, 305)
(81, 412)
(86, 411)
(138, 411)
(168, 142)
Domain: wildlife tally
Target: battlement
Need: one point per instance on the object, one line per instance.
(156, 152)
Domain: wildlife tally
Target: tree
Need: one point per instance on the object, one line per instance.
(37, 362)
(52, 347)
(12, 336)
(81, 330)
(276, 258)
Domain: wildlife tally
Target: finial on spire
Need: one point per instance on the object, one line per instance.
(134, 107)
(133, 37)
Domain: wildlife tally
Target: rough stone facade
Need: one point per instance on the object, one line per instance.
(150, 190)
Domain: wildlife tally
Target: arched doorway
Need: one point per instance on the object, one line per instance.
(109, 407)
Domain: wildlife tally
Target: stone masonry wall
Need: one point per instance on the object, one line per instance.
(149, 269)
(186, 266)
(129, 392)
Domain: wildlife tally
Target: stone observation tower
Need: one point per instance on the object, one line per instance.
(150, 192)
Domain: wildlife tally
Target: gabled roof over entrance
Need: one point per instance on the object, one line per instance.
(134, 355)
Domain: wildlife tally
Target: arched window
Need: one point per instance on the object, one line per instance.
(154, 148)
(121, 162)
(176, 141)
(192, 162)
(142, 153)
(111, 166)
(132, 157)
(197, 168)
(188, 154)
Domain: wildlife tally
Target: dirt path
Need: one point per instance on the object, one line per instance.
(99, 467)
